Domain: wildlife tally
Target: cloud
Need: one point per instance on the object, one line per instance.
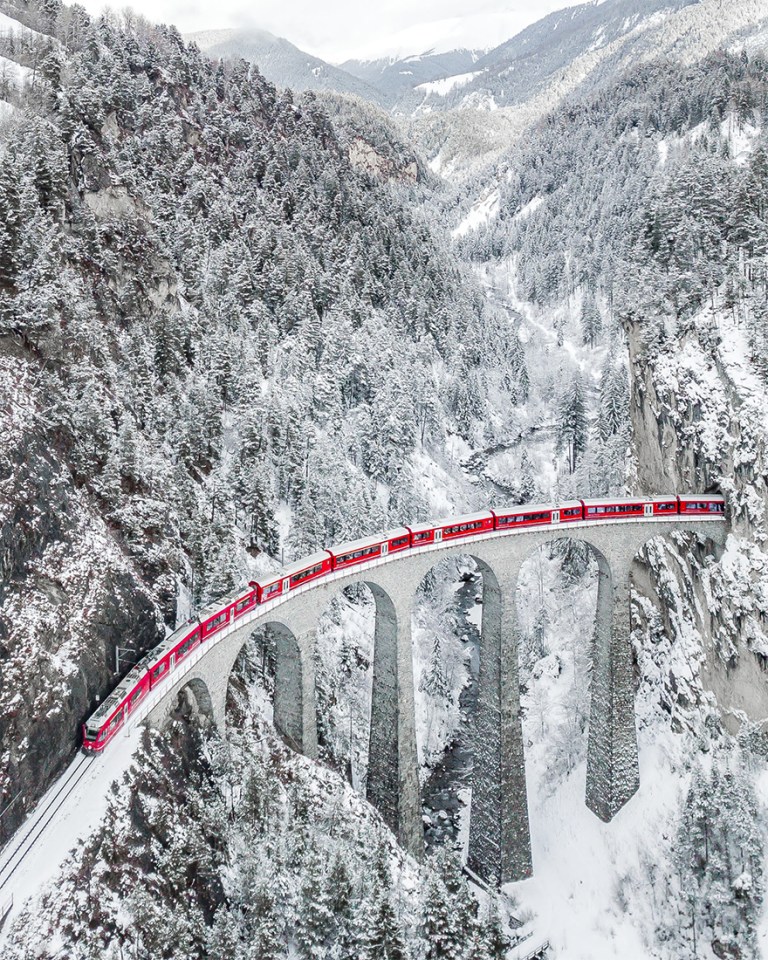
(337, 30)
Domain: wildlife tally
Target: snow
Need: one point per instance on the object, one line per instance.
(13, 73)
(762, 930)
(10, 26)
(481, 213)
(444, 86)
(80, 813)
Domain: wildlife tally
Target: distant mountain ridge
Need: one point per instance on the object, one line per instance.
(281, 62)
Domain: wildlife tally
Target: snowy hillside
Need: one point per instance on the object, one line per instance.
(239, 323)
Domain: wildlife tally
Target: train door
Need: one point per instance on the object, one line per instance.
(555, 516)
(438, 536)
(286, 585)
(171, 661)
(648, 509)
(384, 549)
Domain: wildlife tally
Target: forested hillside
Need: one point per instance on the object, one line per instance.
(209, 318)
(664, 172)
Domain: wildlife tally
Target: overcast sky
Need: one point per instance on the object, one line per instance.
(340, 29)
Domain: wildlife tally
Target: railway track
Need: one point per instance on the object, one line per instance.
(19, 847)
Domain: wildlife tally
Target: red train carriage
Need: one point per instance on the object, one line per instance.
(363, 551)
(536, 514)
(626, 509)
(306, 570)
(110, 716)
(268, 587)
(244, 602)
(421, 534)
(471, 525)
(703, 506)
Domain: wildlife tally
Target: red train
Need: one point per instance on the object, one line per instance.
(153, 669)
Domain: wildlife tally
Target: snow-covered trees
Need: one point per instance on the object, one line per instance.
(572, 422)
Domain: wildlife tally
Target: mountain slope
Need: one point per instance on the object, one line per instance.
(281, 62)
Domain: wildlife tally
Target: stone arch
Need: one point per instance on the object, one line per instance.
(612, 760)
(499, 842)
(289, 702)
(192, 701)
(392, 775)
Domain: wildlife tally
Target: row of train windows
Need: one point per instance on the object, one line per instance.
(298, 577)
(666, 507)
(245, 602)
(463, 527)
(188, 644)
(418, 537)
(399, 542)
(272, 589)
(366, 552)
(706, 507)
(572, 512)
(525, 518)
(617, 508)
(217, 621)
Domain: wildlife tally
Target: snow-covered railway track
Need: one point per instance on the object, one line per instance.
(14, 854)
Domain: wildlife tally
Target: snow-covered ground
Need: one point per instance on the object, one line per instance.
(446, 84)
(481, 213)
(79, 814)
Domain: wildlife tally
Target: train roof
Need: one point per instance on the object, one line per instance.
(464, 518)
(607, 501)
(310, 561)
(121, 691)
(421, 527)
(350, 546)
(696, 497)
(536, 507)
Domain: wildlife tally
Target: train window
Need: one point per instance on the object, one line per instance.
(242, 604)
(666, 507)
(90, 734)
(716, 507)
(422, 536)
(159, 670)
(270, 590)
(116, 720)
(572, 512)
(217, 621)
(367, 552)
(298, 577)
(399, 542)
(136, 695)
(463, 527)
(187, 645)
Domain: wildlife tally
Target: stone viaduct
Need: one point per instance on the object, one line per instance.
(499, 844)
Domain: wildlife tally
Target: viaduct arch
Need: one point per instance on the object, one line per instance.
(499, 845)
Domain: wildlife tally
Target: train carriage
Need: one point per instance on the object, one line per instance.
(709, 505)
(536, 514)
(371, 548)
(617, 509)
(306, 570)
(110, 716)
(471, 525)
(422, 534)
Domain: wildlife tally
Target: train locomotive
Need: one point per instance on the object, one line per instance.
(155, 668)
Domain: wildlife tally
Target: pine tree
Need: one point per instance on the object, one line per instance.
(572, 425)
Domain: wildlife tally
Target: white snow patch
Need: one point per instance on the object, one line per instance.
(480, 214)
(444, 86)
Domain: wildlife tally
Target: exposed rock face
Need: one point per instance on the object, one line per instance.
(698, 425)
(366, 158)
(68, 596)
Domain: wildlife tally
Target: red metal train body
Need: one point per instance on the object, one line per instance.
(156, 666)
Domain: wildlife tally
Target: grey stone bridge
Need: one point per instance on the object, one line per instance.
(499, 839)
